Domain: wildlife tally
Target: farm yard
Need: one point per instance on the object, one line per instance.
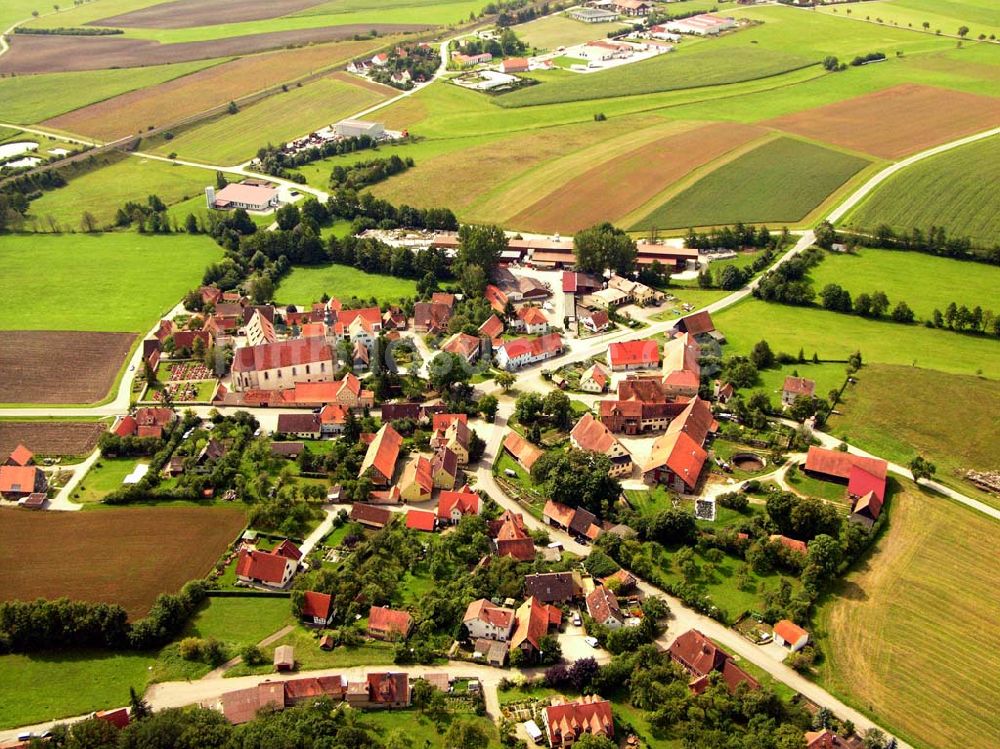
(98, 282)
(911, 118)
(60, 366)
(51, 438)
(305, 285)
(782, 180)
(953, 189)
(162, 550)
(934, 566)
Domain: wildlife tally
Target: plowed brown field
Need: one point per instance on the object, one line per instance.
(896, 121)
(52, 366)
(608, 191)
(183, 97)
(50, 53)
(126, 556)
(185, 14)
(50, 437)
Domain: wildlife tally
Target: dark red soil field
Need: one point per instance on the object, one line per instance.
(43, 53)
(183, 14)
(896, 121)
(50, 437)
(126, 556)
(52, 366)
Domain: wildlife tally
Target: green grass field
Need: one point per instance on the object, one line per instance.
(836, 336)
(779, 181)
(915, 424)
(103, 282)
(102, 191)
(923, 602)
(106, 476)
(551, 32)
(954, 189)
(707, 67)
(240, 621)
(32, 98)
(230, 139)
(923, 281)
(980, 16)
(40, 687)
(307, 285)
(420, 730)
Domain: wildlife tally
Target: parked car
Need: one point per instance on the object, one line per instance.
(592, 641)
(577, 621)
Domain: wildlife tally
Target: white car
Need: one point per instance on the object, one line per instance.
(577, 621)
(592, 641)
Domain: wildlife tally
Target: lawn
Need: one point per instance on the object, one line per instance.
(421, 731)
(924, 604)
(45, 686)
(231, 139)
(306, 285)
(924, 282)
(980, 16)
(916, 424)
(308, 655)
(706, 66)
(32, 98)
(551, 32)
(781, 180)
(953, 189)
(102, 191)
(240, 620)
(100, 282)
(836, 336)
(106, 476)
(814, 487)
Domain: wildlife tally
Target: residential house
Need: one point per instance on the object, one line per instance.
(303, 426)
(553, 587)
(521, 450)
(595, 379)
(416, 484)
(288, 450)
(681, 370)
(486, 620)
(521, 352)
(349, 392)
(333, 419)
(631, 355)
(372, 517)
(452, 431)
(591, 435)
(453, 506)
(421, 520)
(316, 608)
(464, 345)
(566, 722)
(638, 416)
(700, 326)
(795, 388)
(534, 619)
(530, 320)
(622, 581)
(379, 463)
(862, 474)
(827, 739)
(700, 657)
(790, 635)
(603, 608)
(723, 391)
(267, 568)
(380, 690)
(493, 328)
(431, 317)
(360, 356)
(498, 300)
(510, 537)
(595, 322)
(444, 469)
(275, 366)
(585, 524)
(389, 624)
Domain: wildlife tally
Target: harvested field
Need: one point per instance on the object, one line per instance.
(50, 437)
(51, 366)
(126, 556)
(183, 97)
(49, 53)
(183, 14)
(896, 121)
(608, 191)
(357, 80)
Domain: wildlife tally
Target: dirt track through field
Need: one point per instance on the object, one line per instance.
(39, 53)
(183, 97)
(51, 366)
(896, 121)
(185, 14)
(50, 437)
(608, 191)
(126, 556)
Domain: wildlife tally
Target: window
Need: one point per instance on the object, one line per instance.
(294, 372)
(322, 366)
(266, 376)
(307, 369)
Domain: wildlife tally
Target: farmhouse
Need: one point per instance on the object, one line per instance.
(632, 355)
(486, 620)
(416, 484)
(144, 422)
(591, 435)
(379, 464)
(603, 608)
(17, 482)
(700, 25)
(790, 635)
(453, 506)
(678, 456)
(565, 722)
(699, 324)
(533, 621)
(681, 370)
(522, 352)
(372, 517)
(358, 128)
(316, 608)
(274, 366)
(595, 379)
(699, 656)
(250, 197)
(510, 537)
(389, 624)
(431, 317)
(266, 567)
(521, 450)
(242, 705)
(861, 474)
(303, 426)
(795, 388)
(380, 690)
(674, 259)
(553, 587)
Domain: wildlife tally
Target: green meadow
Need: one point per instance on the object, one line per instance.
(980, 16)
(956, 189)
(305, 285)
(102, 282)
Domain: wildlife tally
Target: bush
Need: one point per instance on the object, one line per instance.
(252, 655)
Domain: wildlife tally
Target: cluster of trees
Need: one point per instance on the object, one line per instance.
(17, 194)
(370, 172)
(506, 45)
(865, 59)
(788, 283)
(276, 161)
(578, 478)
(833, 65)
(512, 12)
(604, 247)
(962, 319)
(737, 237)
(347, 204)
(149, 217)
(533, 411)
(27, 626)
(838, 299)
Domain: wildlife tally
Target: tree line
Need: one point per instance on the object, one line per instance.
(934, 241)
(276, 160)
(366, 173)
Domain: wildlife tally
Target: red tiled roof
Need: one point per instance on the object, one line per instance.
(598, 319)
(307, 423)
(19, 479)
(366, 514)
(126, 427)
(521, 549)
(532, 316)
(868, 505)
(461, 344)
(860, 482)
(288, 550)
(789, 631)
(789, 543)
(316, 605)
(871, 475)
(562, 514)
(492, 328)
(443, 297)
(549, 343)
(297, 352)
(602, 605)
(567, 721)
(523, 451)
(259, 565)
(532, 623)
(383, 452)
(798, 386)
(700, 656)
(681, 454)
(297, 690)
(389, 621)
(333, 413)
(490, 613)
(590, 434)
(825, 739)
(440, 422)
(21, 456)
(597, 373)
(466, 502)
(699, 322)
(632, 353)
(420, 520)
